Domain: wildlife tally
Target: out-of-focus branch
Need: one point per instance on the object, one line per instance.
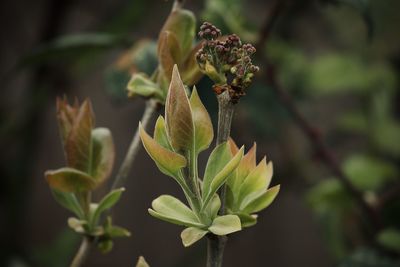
(308, 129)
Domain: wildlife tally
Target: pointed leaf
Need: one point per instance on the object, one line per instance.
(257, 180)
(178, 115)
(78, 143)
(142, 262)
(191, 73)
(68, 201)
(103, 154)
(222, 176)
(167, 161)
(263, 201)
(106, 203)
(246, 219)
(218, 159)
(69, 180)
(116, 231)
(160, 134)
(191, 235)
(171, 209)
(66, 115)
(169, 52)
(203, 129)
(226, 224)
(142, 85)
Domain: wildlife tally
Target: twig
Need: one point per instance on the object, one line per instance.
(126, 166)
(82, 252)
(311, 132)
(216, 244)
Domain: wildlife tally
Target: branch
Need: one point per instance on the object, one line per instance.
(126, 166)
(82, 253)
(311, 132)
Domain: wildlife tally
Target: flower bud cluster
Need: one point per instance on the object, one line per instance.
(226, 60)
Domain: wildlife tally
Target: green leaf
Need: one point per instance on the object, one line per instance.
(142, 85)
(247, 220)
(70, 180)
(68, 201)
(169, 52)
(262, 201)
(226, 224)
(167, 161)
(105, 245)
(257, 180)
(160, 134)
(203, 129)
(103, 154)
(106, 203)
(171, 209)
(390, 238)
(116, 231)
(142, 262)
(218, 159)
(182, 23)
(77, 225)
(222, 176)
(79, 140)
(191, 235)
(178, 115)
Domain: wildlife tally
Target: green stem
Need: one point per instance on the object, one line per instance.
(82, 252)
(216, 244)
(126, 166)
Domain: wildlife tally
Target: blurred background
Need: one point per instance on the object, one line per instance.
(324, 108)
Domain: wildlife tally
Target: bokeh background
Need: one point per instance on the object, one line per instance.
(326, 98)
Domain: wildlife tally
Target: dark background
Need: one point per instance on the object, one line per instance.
(33, 226)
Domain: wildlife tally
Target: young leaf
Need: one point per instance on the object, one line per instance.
(203, 128)
(191, 235)
(141, 85)
(116, 231)
(142, 262)
(160, 134)
(77, 225)
(171, 209)
(226, 224)
(66, 115)
(69, 180)
(68, 201)
(167, 161)
(169, 52)
(258, 179)
(263, 201)
(103, 154)
(106, 203)
(78, 143)
(247, 220)
(222, 176)
(178, 115)
(218, 159)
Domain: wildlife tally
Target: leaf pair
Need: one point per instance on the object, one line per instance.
(89, 152)
(248, 190)
(171, 209)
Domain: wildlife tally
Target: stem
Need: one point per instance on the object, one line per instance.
(216, 244)
(126, 166)
(82, 252)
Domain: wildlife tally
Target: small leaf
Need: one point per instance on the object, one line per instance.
(160, 134)
(142, 262)
(222, 176)
(69, 180)
(141, 85)
(257, 180)
(169, 52)
(263, 201)
(105, 245)
(116, 231)
(191, 235)
(106, 203)
(77, 225)
(78, 143)
(178, 115)
(390, 238)
(203, 128)
(103, 154)
(217, 160)
(247, 220)
(167, 161)
(171, 209)
(68, 201)
(226, 224)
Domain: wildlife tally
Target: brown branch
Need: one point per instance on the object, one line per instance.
(309, 130)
